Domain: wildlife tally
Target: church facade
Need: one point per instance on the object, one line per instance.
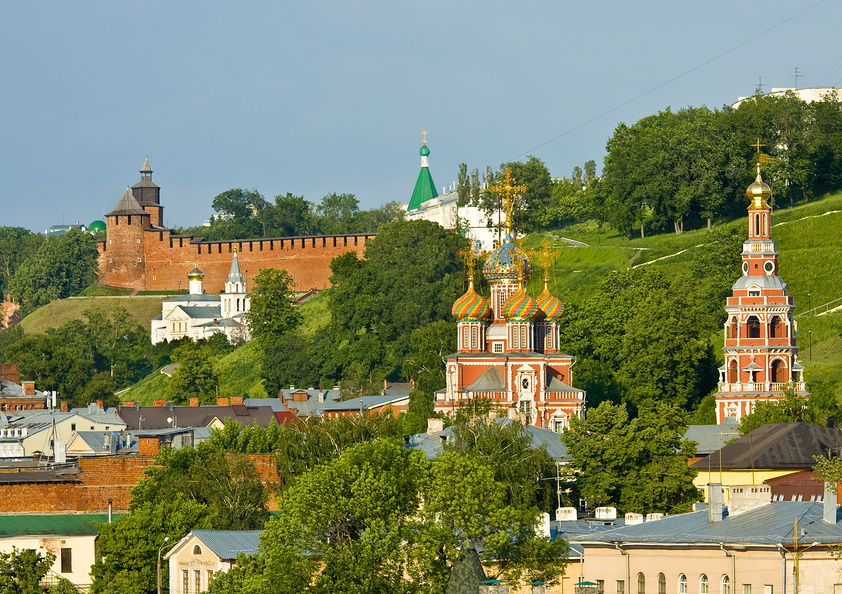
(140, 253)
(761, 349)
(508, 352)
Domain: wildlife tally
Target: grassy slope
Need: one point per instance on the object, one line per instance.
(58, 312)
(239, 371)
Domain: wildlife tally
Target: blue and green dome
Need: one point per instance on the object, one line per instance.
(96, 226)
(507, 263)
(424, 152)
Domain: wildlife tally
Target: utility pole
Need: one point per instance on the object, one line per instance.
(797, 75)
(759, 89)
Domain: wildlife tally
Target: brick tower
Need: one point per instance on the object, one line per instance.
(148, 195)
(760, 335)
(124, 262)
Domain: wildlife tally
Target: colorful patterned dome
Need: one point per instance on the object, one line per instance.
(521, 306)
(506, 262)
(552, 306)
(471, 307)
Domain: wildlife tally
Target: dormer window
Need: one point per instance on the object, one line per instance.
(754, 292)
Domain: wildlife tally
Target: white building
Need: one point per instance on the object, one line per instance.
(426, 204)
(809, 95)
(200, 316)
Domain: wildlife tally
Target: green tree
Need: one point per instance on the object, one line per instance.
(337, 213)
(195, 375)
(21, 572)
(370, 221)
(531, 210)
(16, 245)
(463, 186)
(635, 464)
(62, 266)
(241, 214)
(792, 408)
(272, 310)
(286, 361)
(127, 549)
(291, 216)
(424, 365)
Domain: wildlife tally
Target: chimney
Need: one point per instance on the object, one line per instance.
(300, 396)
(148, 445)
(434, 425)
(194, 401)
(10, 372)
(99, 405)
(28, 388)
(236, 400)
(159, 403)
(64, 406)
(222, 402)
(829, 504)
(714, 503)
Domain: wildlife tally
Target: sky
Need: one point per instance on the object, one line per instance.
(332, 96)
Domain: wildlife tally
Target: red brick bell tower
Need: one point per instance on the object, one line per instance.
(760, 334)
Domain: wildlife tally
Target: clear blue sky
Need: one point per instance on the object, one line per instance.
(323, 96)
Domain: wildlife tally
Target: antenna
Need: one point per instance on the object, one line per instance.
(797, 75)
(760, 85)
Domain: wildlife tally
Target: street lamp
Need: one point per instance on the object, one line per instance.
(166, 538)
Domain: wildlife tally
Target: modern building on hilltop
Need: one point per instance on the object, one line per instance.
(508, 346)
(810, 94)
(761, 351)
(198, 315)
(140, 253)
(426, 204)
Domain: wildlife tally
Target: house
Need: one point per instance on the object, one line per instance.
(196, 559)
(164, 415)
(17, 395)
(25, 432)
(70, 537)
(366, 405)
(755, 547)
(300, 401)
(771, 451)
(711, 438)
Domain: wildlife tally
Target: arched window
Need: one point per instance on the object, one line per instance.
(756, 233)
(753, 325)
(726, 585)
(682, 584)
(523, 342)
(473, 337)
(732, 372)
(197, 550)
(732, 328)
(703, 584)
(778, 372)
(777, 328)
(238, 305)
(662, 584)
(641, 584)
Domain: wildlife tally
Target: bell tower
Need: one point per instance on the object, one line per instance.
(148, 195)
(761, 350)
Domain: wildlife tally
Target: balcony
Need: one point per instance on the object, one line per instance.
(760, 387)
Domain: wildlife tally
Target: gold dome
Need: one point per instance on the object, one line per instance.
(195, 274)
(759, 192)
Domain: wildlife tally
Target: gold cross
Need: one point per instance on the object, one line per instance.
(425, 136)
(757, 145)
(545, 256)
(505, 189)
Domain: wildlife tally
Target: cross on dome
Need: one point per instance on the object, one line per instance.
(506, 189)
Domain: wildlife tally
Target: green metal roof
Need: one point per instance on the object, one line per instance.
(425, 189)
(64, 524)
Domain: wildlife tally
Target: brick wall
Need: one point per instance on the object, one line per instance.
(122, 259)
(101, 479)
(167, 258)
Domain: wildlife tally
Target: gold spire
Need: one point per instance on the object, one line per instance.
(425, 137)
(759, 191)
(470, 261)
(508, 192)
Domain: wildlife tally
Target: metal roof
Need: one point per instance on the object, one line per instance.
(127, 205)
(489, 380)
(768, 525)
(775, 446)
(227, 544)
(363, 403)
(712, 437)
(60, 524)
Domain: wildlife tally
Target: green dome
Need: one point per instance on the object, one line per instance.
(424, 152)
(96, 226)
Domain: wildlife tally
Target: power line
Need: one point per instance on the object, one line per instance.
(670, 81)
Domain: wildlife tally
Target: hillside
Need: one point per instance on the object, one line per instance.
(54, 314)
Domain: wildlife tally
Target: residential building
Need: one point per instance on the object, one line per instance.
(771, 451)
(761, 349)
(366, 405)
(164, 415)
(198, 557)
(197, 315)
(70, 537)
(17, 395)
(810, 94)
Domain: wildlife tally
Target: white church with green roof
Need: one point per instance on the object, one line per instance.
(427, 204)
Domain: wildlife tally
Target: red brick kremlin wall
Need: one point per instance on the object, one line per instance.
(101, 479)
(160, 259)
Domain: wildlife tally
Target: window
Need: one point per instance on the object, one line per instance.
(73, 426)
(197, 574)
(621, 587)
(210, 577)
(682, 584)
(662, 584)
(66, 560)
(641, 584)
(753, 325)
(726, 585)
(197, 550)
(523, 342)
(473, 337)
(185, 581)
(754, 293)
(746, 588)
(703, 584)
(498, 347)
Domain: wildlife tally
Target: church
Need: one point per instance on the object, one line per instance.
(198, 315)
(508, 351)
(761, 350)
